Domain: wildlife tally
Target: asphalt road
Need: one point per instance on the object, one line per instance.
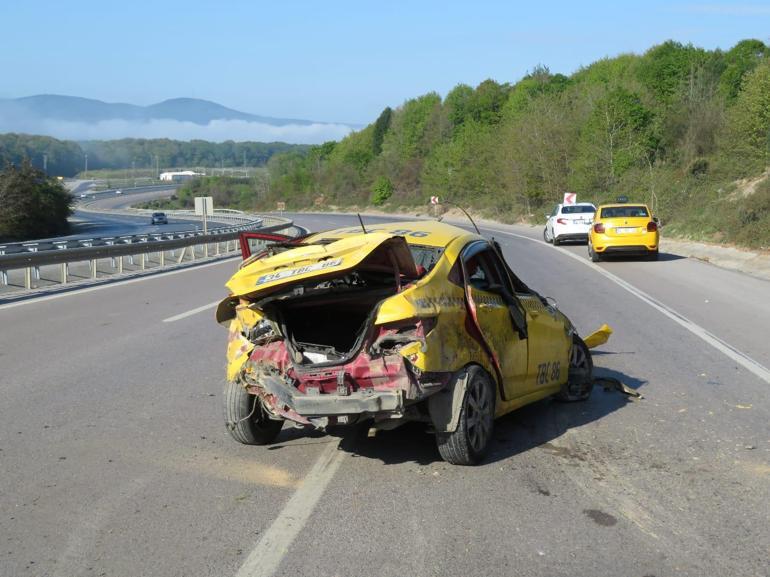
(87, 224)
(115, 460)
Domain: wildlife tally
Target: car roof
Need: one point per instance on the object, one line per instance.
(422, 232)
(622, 204)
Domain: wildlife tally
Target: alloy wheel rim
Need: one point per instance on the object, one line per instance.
(578, 359)
(478, 415)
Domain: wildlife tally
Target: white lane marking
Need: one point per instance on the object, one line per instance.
(192, 312)
(36, 300)
(725, 348)
(266, 557)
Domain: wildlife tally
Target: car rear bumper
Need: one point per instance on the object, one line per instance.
(625, 244)
(364, 401)
(627, 249)
(583, 236)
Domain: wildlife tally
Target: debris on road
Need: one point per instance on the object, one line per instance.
(613, 384)
(598, 337)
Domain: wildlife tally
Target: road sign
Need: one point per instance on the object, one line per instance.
(434, 199)
(280, 206)
(204, 205)
(569, 198)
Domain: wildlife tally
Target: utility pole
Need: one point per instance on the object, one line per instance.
(45, 164)
(157, 168)
(85, 172)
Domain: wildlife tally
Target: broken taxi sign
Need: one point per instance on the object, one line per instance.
(284, 274)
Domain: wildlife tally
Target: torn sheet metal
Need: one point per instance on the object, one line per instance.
(613, 384)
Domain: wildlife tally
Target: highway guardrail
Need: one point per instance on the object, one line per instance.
(151, 251)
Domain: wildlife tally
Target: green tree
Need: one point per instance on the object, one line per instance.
(382, 190)
(664, 68)
(457, 104)
(749, 133)
(31, 204)
(740, 60)
(381, 127)
(616, 136)
(486, 103)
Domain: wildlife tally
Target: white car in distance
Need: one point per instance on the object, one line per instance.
(569, 222)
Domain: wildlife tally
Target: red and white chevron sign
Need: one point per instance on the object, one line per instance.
(570, 198)
(434, 199)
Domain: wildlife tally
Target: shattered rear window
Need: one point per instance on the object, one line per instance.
(426, 256)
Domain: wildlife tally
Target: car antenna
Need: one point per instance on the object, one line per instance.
(358, 214)
(465, 212)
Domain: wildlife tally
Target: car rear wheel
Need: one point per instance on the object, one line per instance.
(468, 444)
(547, 237)
(652, 255)
(245, 418)
(593, 255)
(580, 381)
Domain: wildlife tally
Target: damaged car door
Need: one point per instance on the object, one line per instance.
(489, 298)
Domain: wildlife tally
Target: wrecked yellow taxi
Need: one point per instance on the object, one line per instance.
(410, 321)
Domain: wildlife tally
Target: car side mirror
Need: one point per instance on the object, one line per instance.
(552, 302)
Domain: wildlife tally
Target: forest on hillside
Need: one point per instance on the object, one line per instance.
(68, 158)
(684, 129)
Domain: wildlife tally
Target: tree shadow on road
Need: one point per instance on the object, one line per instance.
(515, 433)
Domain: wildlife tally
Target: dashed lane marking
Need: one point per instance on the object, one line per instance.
(266, 557)
(190, 313)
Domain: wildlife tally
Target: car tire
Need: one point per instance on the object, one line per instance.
(580, 380)
(652, 255)
(245, 418)
(547, 238)
(593, 255)
(468, 444)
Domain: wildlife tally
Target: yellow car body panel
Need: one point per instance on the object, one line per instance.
(624, 233)
(304, 262)
(598, 337)
(549, 346)
(424, 232)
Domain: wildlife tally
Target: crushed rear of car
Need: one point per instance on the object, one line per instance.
(310, 348)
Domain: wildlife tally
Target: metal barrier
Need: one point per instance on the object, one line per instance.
(223, 240)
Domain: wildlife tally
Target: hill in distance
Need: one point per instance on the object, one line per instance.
(77, 118)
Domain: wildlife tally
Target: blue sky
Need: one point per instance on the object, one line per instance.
(331, 60)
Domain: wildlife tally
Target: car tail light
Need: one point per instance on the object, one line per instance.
(561, 220)
(652, 226)
(599, 228)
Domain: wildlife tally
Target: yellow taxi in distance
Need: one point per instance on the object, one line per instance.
(623, 229)
(408, 321)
